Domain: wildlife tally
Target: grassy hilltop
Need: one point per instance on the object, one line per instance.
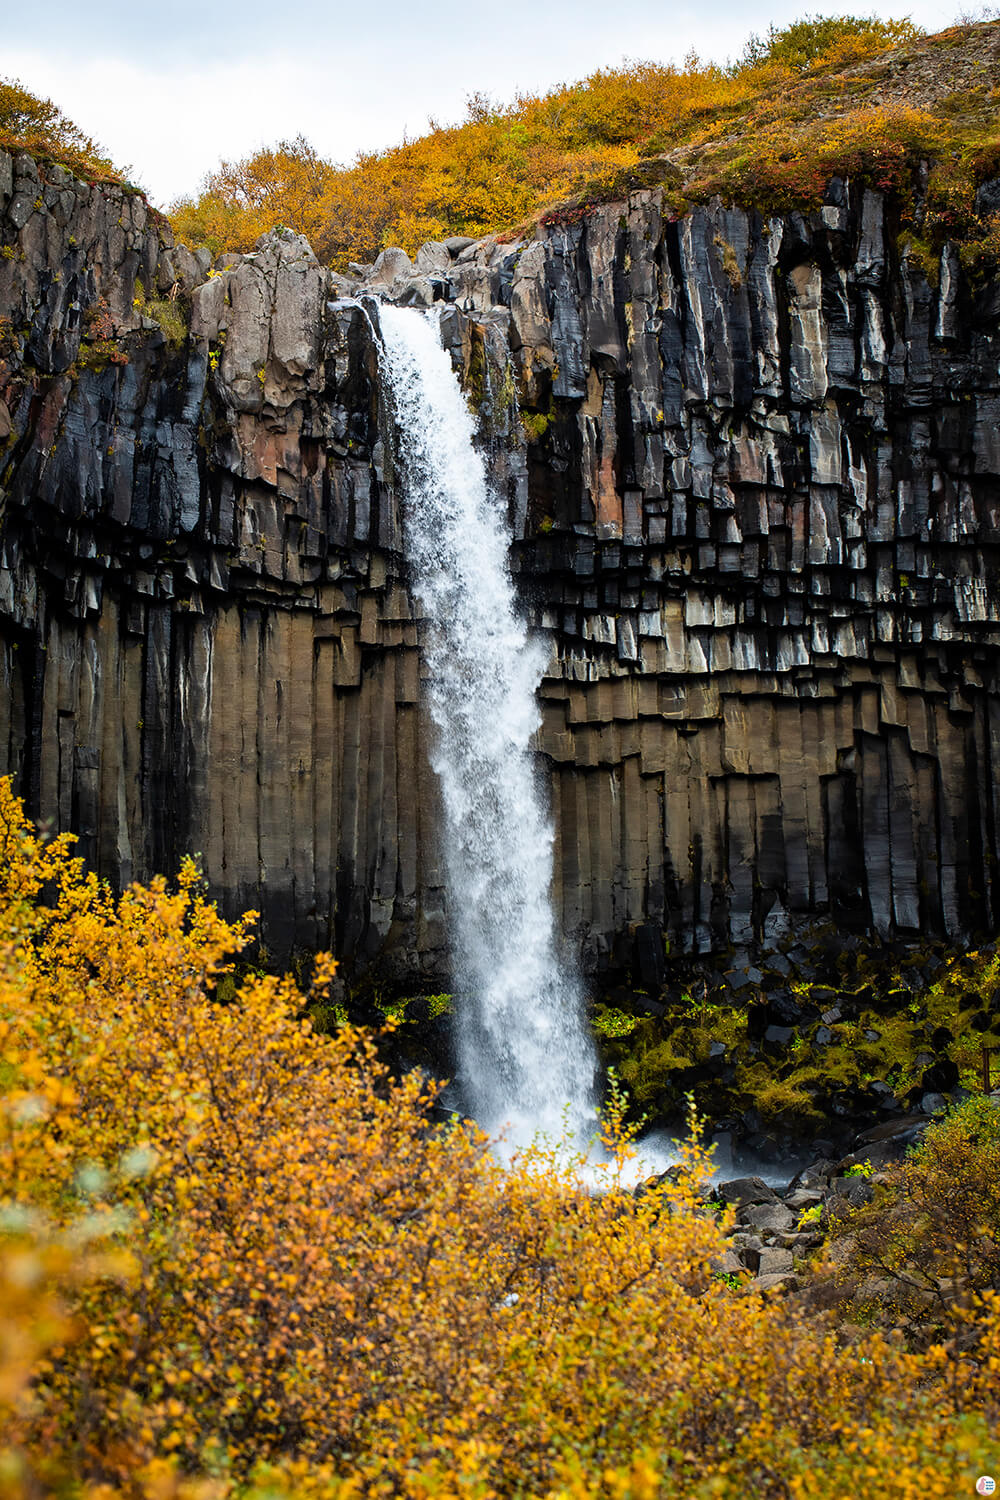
(872, 99)
(917, 116)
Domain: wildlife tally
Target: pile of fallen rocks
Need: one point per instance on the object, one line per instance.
(776, 1228)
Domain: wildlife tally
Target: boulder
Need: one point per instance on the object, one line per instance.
(772, 1261)
(742, 1191)
(774, 1284)
(802, 1198)
(933, 1104)
(432, 256)
(728, 1264)
(854, 1191)
(770, 1218)
(391, 265)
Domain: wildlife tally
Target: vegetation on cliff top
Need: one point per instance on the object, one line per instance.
(237, 1259)
(38, 126)
(827, 95)
(916, 116)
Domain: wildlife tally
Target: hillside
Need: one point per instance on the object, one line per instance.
(870, 99)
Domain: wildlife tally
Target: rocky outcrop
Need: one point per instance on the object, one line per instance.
(772, 478)
(755, 491)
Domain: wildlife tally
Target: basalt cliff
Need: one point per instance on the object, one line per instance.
(753, 472)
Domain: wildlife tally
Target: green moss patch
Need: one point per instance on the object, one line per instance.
(874, 1036)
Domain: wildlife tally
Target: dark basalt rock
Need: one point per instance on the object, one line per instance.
(757, 522)
(741, 1192)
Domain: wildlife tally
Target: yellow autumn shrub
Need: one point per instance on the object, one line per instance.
(504, 165)
(34, 124)
(240, 1259)
(925, 1254)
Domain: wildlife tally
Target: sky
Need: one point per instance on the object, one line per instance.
(170, 90)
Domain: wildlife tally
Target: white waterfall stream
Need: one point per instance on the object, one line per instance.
(526, 1060)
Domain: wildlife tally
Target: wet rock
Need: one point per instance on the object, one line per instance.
(888, 1142)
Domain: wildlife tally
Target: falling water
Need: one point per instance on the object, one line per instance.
(524, 1054)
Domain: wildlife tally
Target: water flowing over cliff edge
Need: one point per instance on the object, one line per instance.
(525, 1057)
(753, 488)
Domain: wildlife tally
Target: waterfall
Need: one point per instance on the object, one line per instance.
(525, 1058)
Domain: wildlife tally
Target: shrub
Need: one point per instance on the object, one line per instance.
(926, 1254)
(822, 40)
(237, 1260)
(38, 126)
(548, 156)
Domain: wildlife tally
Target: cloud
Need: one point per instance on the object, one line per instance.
(169, 126)
(217, 89)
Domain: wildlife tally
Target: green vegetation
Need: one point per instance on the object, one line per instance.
(886, 1027)
(536, 424)
(824, 41)
(395, 1010)
(171, 313)
(608, 1020)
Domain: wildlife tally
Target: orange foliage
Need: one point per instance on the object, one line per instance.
(792, 169)
(504, 165)
(29, 123)
(285, 184)
(238, 1258)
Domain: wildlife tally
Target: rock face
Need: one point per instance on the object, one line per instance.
(756, 499)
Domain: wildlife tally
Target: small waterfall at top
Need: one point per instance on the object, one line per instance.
(525, 1057)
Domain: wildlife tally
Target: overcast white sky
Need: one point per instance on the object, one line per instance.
(170, 89)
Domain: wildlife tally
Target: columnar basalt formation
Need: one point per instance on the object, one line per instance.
(755, 481)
